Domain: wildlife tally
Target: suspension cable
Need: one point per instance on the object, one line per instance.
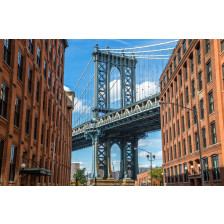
(144, 51)
(84, 90)
(83, 73)
(140, 47)
(83, 111)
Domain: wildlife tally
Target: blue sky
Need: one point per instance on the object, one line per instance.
(77, 57)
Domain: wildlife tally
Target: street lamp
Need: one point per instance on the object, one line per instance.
(199, 144)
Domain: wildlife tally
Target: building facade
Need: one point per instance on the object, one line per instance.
(144, 179)
(194, 78)
(35, 113)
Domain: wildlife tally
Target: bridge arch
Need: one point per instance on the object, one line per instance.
(115, 157)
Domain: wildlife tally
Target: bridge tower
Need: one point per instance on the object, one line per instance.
(104, 62)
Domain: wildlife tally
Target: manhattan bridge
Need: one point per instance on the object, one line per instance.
(117, 102)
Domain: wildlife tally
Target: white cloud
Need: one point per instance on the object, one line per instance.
(115, 92)
(80, 106)
(146, 89)
(66, 88)
(113, 154)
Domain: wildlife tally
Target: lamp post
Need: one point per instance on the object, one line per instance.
(199, 144)
(150, 156)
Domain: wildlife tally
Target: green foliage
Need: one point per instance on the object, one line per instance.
(156, 174)
(80, 177)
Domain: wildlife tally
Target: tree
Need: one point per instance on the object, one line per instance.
(156, 174)
(79, 177)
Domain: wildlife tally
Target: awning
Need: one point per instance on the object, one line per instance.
(36, 171)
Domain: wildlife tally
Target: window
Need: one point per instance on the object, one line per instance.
(185, 69)
(200, 81)
(213, 132)
(172, 91)
(180, 173)
(47, 138)
(177, 106)
(7, 51)
(58, 71)
(30, 46)
(195, 115)
(58, 48)
(50, 50)
(165, 176)
(37, 90)
(178, 127)
(42, 134)
(180, 75)
(170, 135)
(168, 171)
(46, 44)
(164, 140)
(12, 163)
(179, 55)
(168, 158)
(171, 69)
(188, 120)
(204, 137)
(183, 127)
(187, 96)
(167, 136)
(1, 153)
(184, 46)
(175, 62)
(184, 143)
(192, 63)
(20, 66)
(60, 99)
(189, 41)
(38, 55)
(62, 58)
(164, 80)
(175, 152)
(173, 110)
(215, 168)
(174, 132)
(53, 85)
(196, 141)
(193, 88)
(176, 175)
(185, 173)
(29, 79)
(199, 54)
(49, 78)
(179, 149)
(49, 107)
(45, 69)
(202, 109)
(211, 102)
(222, 45)
(181, 100)
(209, 71)
(44, 100)
(163, 121)
(54, 61)
(205, 169)
(175, 80)
(3, 100)
(172, 177)
(27, 121)
(207, 46)
(171, 153)
(17, 112)
(190, 144)
(35, 129)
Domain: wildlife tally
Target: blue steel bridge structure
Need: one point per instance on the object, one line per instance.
(118, 104)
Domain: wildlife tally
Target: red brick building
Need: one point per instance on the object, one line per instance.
(144, 179)
(193, 77)
(35, 113)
